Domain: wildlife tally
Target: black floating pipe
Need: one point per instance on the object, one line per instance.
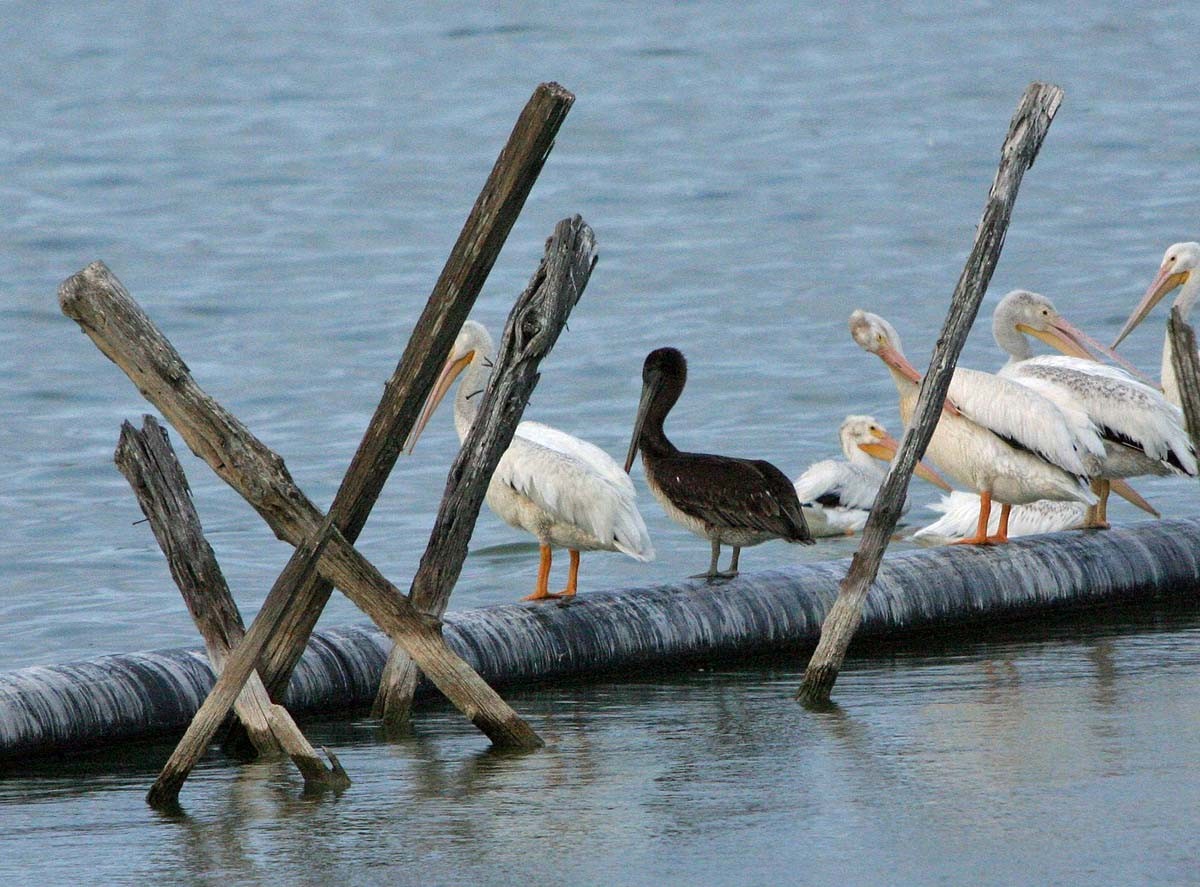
(112, 699)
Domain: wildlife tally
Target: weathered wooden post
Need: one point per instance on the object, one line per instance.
(238, 667)
(462, 278)
(533, 327)
(148, 462)
(1187, 371)
(96, 300)
(1025, 135)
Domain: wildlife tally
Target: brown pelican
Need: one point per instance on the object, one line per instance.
(737, 502)
(1001, 439)
(564, 491)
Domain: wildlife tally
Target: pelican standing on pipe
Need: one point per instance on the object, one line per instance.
(737, 502)
(1141, 431)
(1178, 269)
(565, 491)
(837, 494)
(1001, 439)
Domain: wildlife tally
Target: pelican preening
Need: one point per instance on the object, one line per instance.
(1001, 439)
(837, 495)
(1178, 270)
(564, 491)
(737, 502)
(1141, 431)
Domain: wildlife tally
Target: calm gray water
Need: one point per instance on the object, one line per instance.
(279, 187)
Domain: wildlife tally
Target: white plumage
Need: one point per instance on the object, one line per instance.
(960, 515)
(564, 491)
(837, 494)
(998, 438)
(1142, 432)
(1179, 268)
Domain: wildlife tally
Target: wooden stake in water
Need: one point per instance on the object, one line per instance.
(534, 324)
(148, 462)
(467, 268)
(1025, 135)
(1187, 371)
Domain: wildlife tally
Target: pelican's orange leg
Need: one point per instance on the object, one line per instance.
(540, 593)
(1002, 534)
(1102, 506)
(1096, 517)
(572, 576)
(985, 511)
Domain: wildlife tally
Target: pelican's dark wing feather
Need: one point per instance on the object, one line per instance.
(743, 494)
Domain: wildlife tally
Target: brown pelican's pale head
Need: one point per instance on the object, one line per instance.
(1179, 268)
(472, 341)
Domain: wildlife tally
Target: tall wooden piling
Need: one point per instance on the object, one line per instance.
(1025, 135)
(533, 326)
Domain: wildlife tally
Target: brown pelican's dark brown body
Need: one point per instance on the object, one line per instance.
(728, 501)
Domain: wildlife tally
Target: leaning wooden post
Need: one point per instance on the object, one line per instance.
(462, 278)
(1025, 135)
(1187, 371)
(204, 725)
(533, 327)
(148, 462)
(97, 301)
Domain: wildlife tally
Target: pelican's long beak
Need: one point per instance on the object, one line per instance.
(649, 389)
(1165, 281)
(901, 364)
(1129, 494)
(444, 380)
(885, 449)
(1069, 339)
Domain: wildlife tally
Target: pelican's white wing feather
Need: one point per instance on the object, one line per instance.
(1018, 413)
(835, 483)
(577, 483)
(1121, 407)
(960, 516)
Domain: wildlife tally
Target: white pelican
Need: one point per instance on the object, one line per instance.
(728, 501)
(1142, 432)
(997, 437)
(564, 491)
(1178, 269)
(837, 495)
(960, 515)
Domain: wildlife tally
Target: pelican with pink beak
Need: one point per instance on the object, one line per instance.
(1177, 271)
(1003, 440)
(837, 494)
(1142, 432)
(564, 491)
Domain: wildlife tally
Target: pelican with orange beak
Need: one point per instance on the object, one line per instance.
(837, 494)
(1141, 431)
(1003, 440)
(1178, 271)
(564, 491)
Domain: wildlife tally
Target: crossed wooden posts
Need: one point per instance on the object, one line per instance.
(324, 554)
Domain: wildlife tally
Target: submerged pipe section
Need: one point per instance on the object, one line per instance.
(123, 697)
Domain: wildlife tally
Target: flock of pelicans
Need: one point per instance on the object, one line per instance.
(1045, 437)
